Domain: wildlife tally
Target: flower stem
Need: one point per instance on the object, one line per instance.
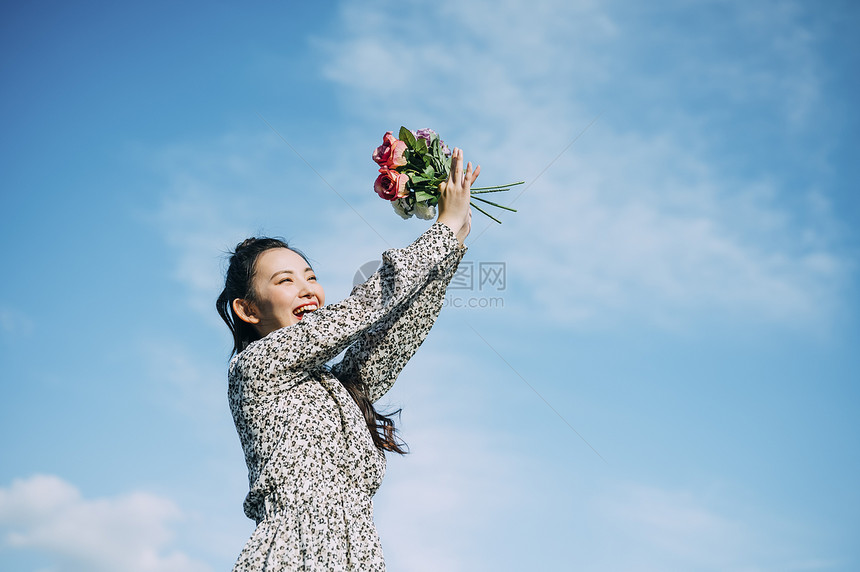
(481, 191)
(498, 186)
(485, 212)
(495, 204)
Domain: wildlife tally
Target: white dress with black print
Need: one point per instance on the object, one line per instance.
(312, 465)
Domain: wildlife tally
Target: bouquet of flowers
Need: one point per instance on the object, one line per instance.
(412, 168)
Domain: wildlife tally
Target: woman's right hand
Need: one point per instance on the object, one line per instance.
(454, 196)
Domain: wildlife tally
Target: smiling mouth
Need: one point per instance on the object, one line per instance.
(302, 310)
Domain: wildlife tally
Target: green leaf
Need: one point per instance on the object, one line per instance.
(407, 137)
(423, 196)
(421, 146)
(414, 162)
(436, 148)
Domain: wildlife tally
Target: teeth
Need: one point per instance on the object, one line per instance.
(306, 309)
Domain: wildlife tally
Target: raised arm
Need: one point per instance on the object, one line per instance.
(382, 352)
(323, 334)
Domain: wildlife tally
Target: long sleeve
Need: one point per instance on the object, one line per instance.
(381, 353)
(323, 334)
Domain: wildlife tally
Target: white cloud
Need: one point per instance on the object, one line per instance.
(472, 496)
(221, 192)
(459, 476)
(632, 222)
(676, 524)
(671, 251)
(130, 532)
(202, 213)
(635, 221)
(684, 529)
(193, 385)
(470, 484)
(474, 493)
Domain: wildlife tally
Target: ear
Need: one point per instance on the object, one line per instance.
(246, 311)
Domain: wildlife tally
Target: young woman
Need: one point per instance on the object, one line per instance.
(313, 442)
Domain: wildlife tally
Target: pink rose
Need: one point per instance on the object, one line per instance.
(391, 185)
(390, 153)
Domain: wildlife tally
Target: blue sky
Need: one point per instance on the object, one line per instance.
(668, 380)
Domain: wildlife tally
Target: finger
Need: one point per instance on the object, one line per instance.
(457, 166)
(475, 174)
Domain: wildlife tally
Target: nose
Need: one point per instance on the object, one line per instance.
(305, 289)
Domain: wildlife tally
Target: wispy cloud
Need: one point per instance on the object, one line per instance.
(220, 192)
(472, 483)
(673, 250)
(640, 219)
(474, 495)
(202, 213)
(676, 524)
(190, 384)
(131, 532)
(684, 529)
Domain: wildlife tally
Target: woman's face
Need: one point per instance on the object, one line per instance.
(286, 288)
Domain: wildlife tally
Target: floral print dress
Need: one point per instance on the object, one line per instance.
(312, 465)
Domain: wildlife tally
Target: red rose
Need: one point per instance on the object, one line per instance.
(390, 184)
(390, 153)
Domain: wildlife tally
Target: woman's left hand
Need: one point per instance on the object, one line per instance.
(455, 195)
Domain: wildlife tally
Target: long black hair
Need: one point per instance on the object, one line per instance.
(239, 284)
